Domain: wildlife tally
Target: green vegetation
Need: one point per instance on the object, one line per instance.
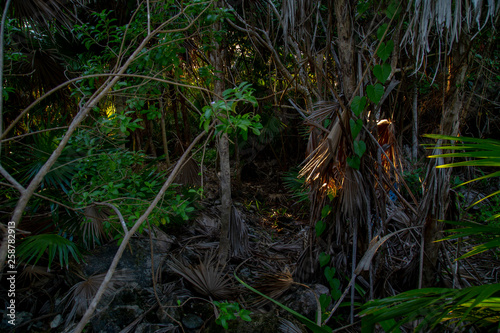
(287, 135)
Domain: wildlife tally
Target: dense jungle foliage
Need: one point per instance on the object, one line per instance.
(355, 141)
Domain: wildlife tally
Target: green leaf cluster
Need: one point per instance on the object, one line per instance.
(230, 311)
(225, 112)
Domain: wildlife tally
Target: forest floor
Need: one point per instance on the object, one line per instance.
(276, 225)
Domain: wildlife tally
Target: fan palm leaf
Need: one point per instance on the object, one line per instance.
(206, 277)
(34, 247)
(478, 304)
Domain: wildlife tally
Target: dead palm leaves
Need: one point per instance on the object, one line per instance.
(207, 277)
(238, 234)
(82, 293)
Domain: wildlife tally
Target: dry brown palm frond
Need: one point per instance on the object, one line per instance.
(92, 228)
(398, 214)
(286, 326)
(238, 234)
(43, 13)
(295, 14)
(273, 285)
(297, 246)
(430, 16)
(387, 140)
(326, 155)
(82, 293)
(207, 277)
(322, 110)
(208, 225)
(353, 197)
(189, 174)
(34, 273)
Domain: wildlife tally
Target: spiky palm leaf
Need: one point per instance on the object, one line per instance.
(36, 155)
(484, 153)
(34, 247)
(295, 185)
(479, 305)
(475, 229)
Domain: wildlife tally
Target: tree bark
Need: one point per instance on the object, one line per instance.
(344, 13)
(437, 197)
(223, 147)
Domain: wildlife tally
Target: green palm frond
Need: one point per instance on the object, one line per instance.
(272, 127)
(34, 247)
(474, 229)
(296, 185)
(484, 153)
(37, 155)
(479, 305)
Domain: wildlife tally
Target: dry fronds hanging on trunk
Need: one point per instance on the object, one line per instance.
(189, 175)
(238, 234)
(295, 14)
(326, 160)
(447, 17)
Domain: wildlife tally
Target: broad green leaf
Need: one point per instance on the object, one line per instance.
(325, 300)
(381, 30)
(320, 227)
(329, 273)
(363, 7)
(358, 105)
(393, 9)
(354, 162)
(375, 93)
(359, 147)
(382, 72)
(324, 259)
(325, 211)
(356, 127)
(385, 50)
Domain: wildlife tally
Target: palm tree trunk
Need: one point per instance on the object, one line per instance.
(436, 199)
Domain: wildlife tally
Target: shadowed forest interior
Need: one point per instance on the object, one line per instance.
(250, 166)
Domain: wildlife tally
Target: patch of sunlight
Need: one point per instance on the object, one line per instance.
(110, 110)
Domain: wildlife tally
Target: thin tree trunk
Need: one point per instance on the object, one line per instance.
(164, 133)
(152, 147)
(185, 119)
(414, 151)
(223, 146)
(173, 98)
